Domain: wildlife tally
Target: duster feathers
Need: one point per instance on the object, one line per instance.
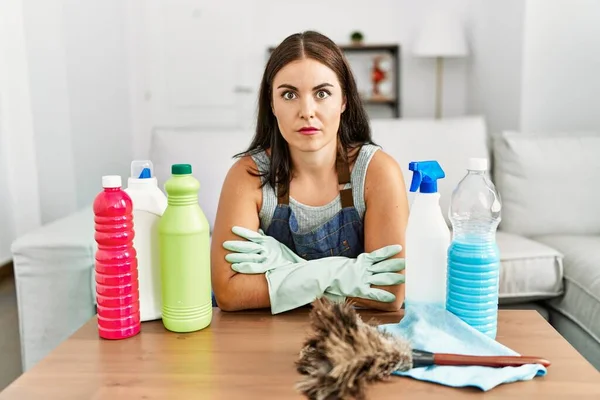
(343, 354)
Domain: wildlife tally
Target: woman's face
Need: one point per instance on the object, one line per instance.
(307, 102)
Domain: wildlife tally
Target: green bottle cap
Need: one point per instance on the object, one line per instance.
(181, 169)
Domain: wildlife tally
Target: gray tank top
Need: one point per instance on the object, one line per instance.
(310, 217)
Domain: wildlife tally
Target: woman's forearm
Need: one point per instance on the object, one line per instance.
(243, 292)
(396, 290)
(304, 281)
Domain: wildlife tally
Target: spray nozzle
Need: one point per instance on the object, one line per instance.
(141, 169)
(425, 176)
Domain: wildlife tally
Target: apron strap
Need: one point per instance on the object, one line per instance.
(283, 198)
(343, 171)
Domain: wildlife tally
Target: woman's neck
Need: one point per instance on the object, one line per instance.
(316, 166)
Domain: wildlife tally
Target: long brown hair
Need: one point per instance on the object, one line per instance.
(354, 130)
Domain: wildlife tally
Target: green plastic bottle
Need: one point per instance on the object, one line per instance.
(184, 255)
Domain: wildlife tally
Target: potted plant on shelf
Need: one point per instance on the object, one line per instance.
(357, 38)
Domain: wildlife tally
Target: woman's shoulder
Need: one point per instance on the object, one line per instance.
(383, 168)
(382, 158)
(360, 156)
(244, 171)
(363, 150)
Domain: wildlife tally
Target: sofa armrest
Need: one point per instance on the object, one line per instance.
(53, 267)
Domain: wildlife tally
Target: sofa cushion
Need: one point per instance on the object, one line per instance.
(529, 270)
(547, 183)
(581, 300)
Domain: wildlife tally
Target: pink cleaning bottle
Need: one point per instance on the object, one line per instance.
(117, 288)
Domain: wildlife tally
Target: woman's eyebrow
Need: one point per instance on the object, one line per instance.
(322, 85)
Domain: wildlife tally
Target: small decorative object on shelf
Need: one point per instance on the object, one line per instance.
(377, 76)
(357, 38)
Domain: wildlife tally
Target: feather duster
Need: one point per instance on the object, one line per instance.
(343, 354)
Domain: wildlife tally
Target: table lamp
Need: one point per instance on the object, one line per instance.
(441, 35)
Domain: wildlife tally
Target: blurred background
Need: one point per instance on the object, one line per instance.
(83, 83)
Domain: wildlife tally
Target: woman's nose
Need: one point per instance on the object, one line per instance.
(307, 108)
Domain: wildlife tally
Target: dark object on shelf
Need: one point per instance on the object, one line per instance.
(357, 37)
(394, 51)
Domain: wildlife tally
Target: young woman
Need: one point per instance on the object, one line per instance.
(313, 207)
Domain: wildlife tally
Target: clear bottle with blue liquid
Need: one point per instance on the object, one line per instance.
(473, 255)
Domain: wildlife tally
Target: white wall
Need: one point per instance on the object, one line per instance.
(535, 64)
(80, 98)
(98, 75)
(20, 209)
(561, 66)
(48, 80)
(496, 31)
(7, 223)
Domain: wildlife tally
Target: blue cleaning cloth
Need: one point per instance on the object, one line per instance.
(439, 331)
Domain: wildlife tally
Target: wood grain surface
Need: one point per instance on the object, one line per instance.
(250, 355)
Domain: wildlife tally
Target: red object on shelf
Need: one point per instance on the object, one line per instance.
(377, 75)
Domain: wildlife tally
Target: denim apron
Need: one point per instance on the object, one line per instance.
(342, 235)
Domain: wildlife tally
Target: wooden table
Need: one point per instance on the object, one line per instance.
(250, 355)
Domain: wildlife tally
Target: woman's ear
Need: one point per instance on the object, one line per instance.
(344, 105)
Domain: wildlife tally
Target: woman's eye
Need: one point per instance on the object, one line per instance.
(288, 95)
(323, 94)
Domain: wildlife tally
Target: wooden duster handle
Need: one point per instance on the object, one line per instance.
(487, 361)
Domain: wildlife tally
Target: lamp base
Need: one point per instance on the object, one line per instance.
(439, 87)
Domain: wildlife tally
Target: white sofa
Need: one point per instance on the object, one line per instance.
(54, 264)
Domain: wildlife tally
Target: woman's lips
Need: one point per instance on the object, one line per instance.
(308, 131)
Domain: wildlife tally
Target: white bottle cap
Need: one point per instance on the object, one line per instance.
(478, 164)
(111, 181)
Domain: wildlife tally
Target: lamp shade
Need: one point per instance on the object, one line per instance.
(441, 35)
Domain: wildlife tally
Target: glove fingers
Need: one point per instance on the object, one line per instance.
(245, 257)
(380, 295)
(247, 233)
(392, 265)
(384, 253)
(249, 268)
(386, 279)
(241, 246)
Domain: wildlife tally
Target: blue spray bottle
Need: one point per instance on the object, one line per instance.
(427, 239)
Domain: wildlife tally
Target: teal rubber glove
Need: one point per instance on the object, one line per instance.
(294, 285)
(259, 253)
